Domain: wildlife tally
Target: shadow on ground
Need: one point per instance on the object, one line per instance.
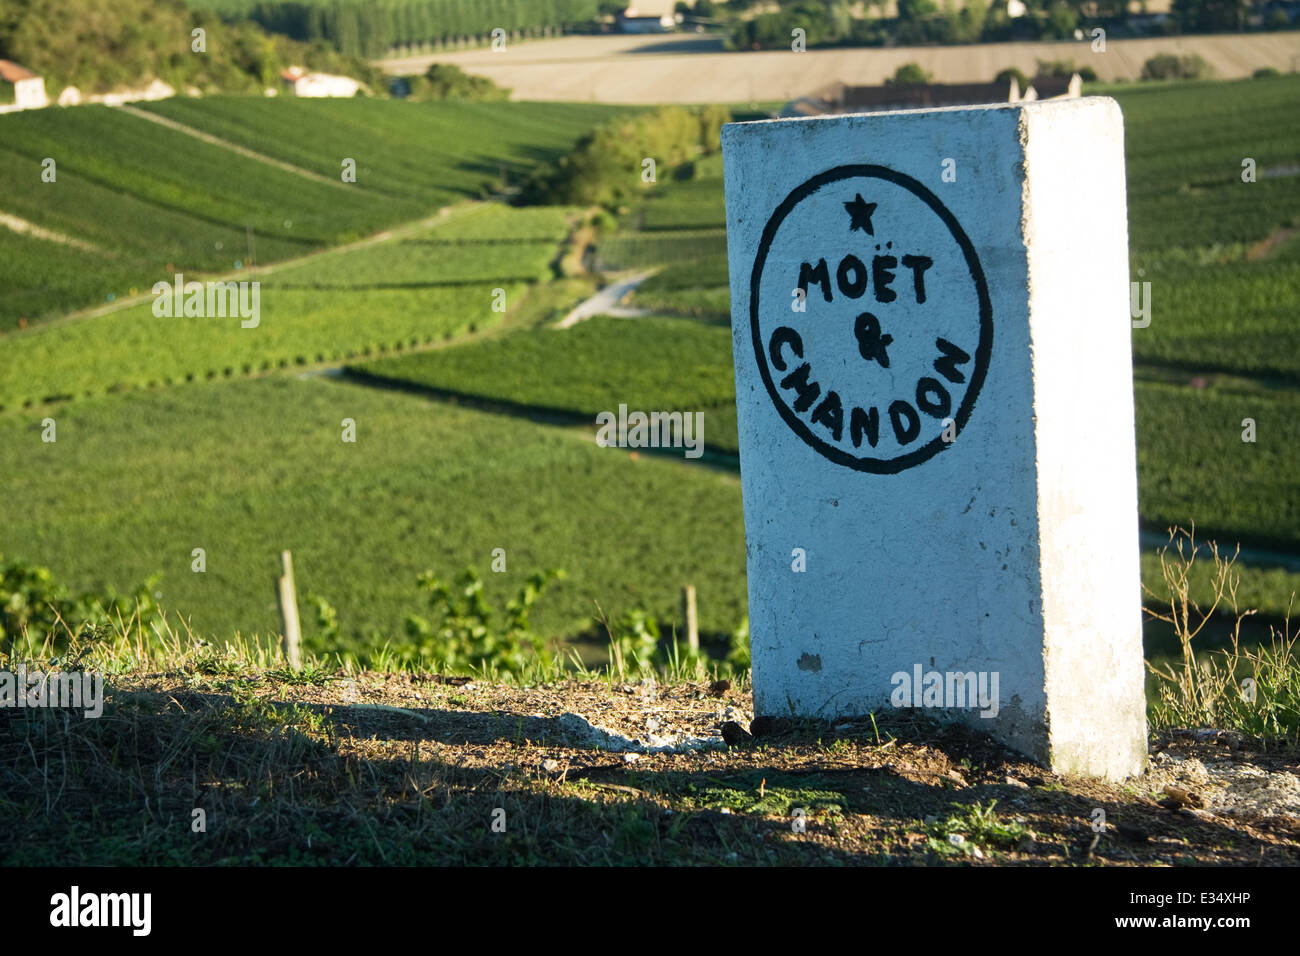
(246, 772)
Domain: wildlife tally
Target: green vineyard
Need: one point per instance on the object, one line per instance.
(438, 284)
(649, 364)
(198, 207)
(177, 432)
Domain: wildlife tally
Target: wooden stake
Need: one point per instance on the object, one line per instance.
(289, 612)
(688, 613)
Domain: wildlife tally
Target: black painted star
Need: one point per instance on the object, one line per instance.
(860, 214)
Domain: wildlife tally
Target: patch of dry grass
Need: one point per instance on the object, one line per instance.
(326, 766)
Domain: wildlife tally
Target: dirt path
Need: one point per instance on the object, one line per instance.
(18, 225)
(606, 301)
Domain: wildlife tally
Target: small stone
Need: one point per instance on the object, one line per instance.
(734, 713)
(1178, 797)
(956, 839)
(550, 766)
(1013, 782)
(631, 758)
(1027, 844)
(726, 811)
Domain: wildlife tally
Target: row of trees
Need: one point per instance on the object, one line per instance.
(1163, 66)
(373, 27)
(929, 21)
(915, 73)
(918, 21)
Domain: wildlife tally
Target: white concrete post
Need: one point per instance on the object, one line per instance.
(934, 387)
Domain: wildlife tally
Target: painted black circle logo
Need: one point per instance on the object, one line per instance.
(871, 318)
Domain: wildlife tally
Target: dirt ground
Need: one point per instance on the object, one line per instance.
(690, 69)
(640, 772)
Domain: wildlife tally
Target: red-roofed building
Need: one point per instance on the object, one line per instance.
(20, 88)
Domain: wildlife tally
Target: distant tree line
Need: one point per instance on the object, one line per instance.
(133, 42)
(374, 27)
(837, 22)
(1162, 66)
(1170, 66)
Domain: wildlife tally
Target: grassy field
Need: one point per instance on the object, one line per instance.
(1236, 317)
(423, 263)
(206, 207)
(1233, 490)
(427, 152)
(246, 469)
(1223, 299)
(699, 292)
(650, 363)
(1184, 148)
(255, 464)
(426, 285)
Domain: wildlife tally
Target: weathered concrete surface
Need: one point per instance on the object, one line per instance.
(946, 429)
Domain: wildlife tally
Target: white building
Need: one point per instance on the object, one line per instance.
(28, 88)
(647, 17)
(301, 83)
